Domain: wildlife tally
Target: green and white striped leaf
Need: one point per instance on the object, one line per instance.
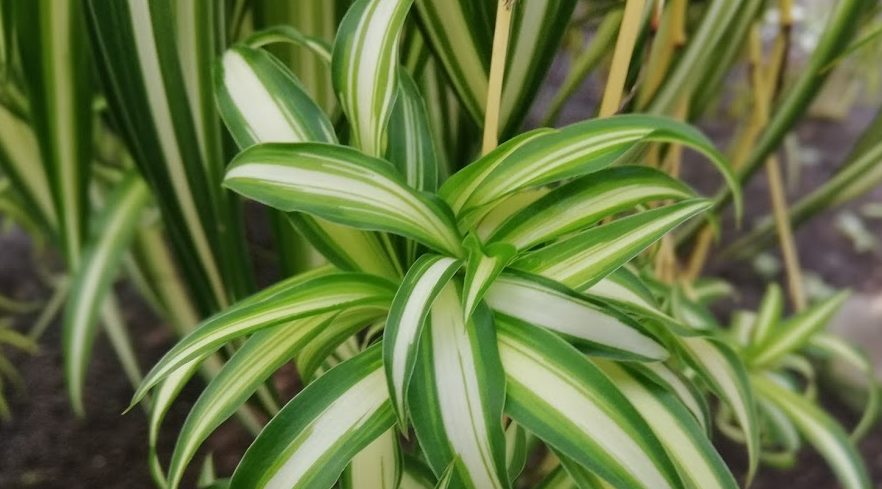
(411, 146)
(825, 435)
(152, 95)
(376, 466)
(57, 69)
(839, 350)
(93, 278)
(542, 303)
(543, 157)
(20, 162)
(336, 337)
(364, 68)
(261, 101)
(586, 201)
(724, 372)
(457, 395)
(311, 440)
(404, 325)
(795, 332)
(247, 369)
(769, 315)
(460, 34)
(584, 259)
(284, 302)
(344, 186)
(686, 442)
(557, 394)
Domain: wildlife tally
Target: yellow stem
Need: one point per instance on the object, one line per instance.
(615, 84)
(785, 234)
(497, 73)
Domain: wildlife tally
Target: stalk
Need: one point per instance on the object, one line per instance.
(497, 73)
(615, 84)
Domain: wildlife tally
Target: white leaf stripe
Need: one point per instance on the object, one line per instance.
(556, 393)
(584, 259)
(411, 146)
(376, 466)
(457, 398)
(696, 458)
(94, 277)
(540, 303)
(365, 68)
(404, 325)
(825, 435)
(314, 296)
(18, 150)
(342, 185)
(312, 439)
(686, 392)
(795, 332)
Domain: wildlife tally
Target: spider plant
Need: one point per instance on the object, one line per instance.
(456, 293)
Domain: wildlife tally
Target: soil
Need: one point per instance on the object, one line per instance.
(46, 446)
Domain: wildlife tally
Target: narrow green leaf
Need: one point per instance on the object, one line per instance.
(543, 157)
(688, 445)
(769, 314)
(795, 332)
(415, 475)
(834, 347)
(92, 280)
(404, 325)
(20, 162)
(287, 301)
(365, 68)
(586, 201)
(556, 393)
(57, 69)
(309, 177)
(311, 440)
(516, 450)
(457, 395)
(543, 303)
(334, 337)
(484, 264)
(821, 431)
(585, 258)
(411, 146)
(722, 369)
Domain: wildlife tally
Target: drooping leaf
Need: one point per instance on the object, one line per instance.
(92, 280)
(342, 185)
(404, 325)
(556, 393)
(457, 395)
(543, 303)
(311, 440)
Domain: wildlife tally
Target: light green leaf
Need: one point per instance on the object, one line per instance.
(364, 68)
(821, 431)
(311, 440)
(543, 303)
(287, 301)
(92, 280)
(556, 393)
(516, 450)
(457, 395)
(310, 178)
(404, 325)
(585, 258)
(20, 162)
(688, 445)
(411, 147)
(484, 264)
(795, 332)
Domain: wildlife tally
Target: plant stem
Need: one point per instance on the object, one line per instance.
(785, 234)
(497, 73)
(615, 84)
